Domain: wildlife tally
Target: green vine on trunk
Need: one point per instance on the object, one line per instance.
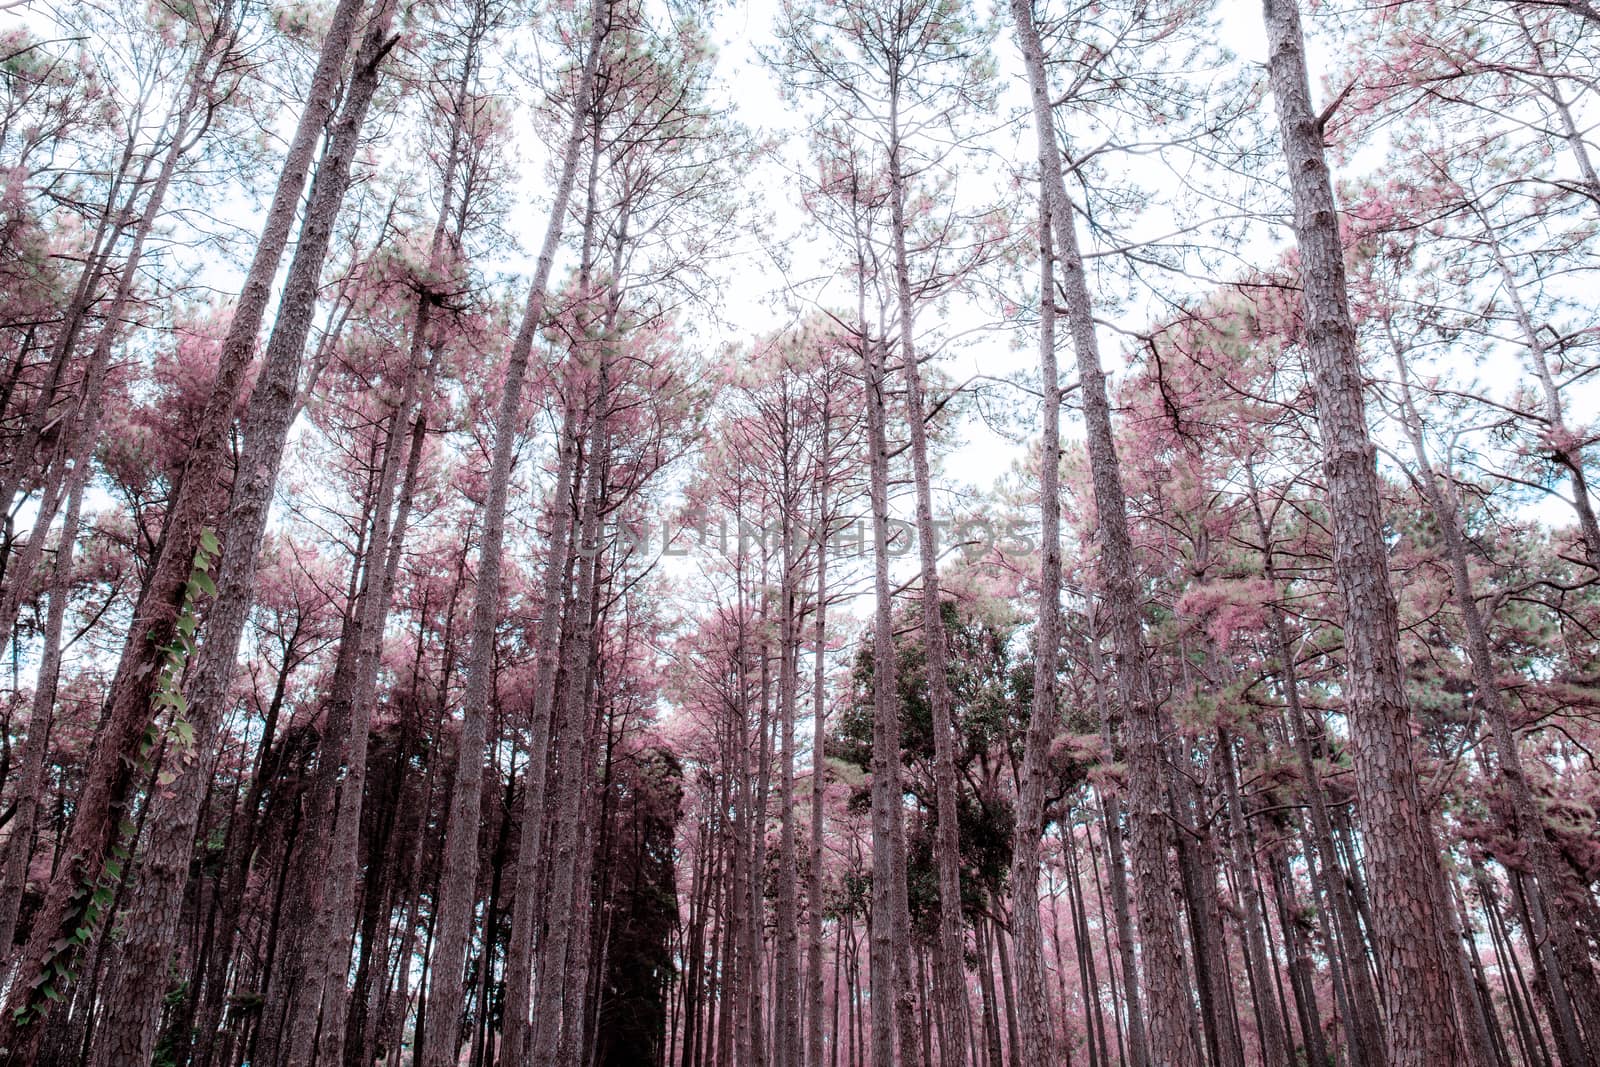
(93, 898)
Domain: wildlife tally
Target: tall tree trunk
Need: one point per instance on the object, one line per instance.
(787, 1036)
(1166, 996)
(947, 809)
(885, 721)
(558, 998)
(1422, 1029)
(460, 859)
(107, 777)
(524, 908)
(525, 913)
(129, 1031)
(819, 769)
(755, 924)
(1037, 1045)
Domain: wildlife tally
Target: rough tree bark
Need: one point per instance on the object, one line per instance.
(108, 775)
(128, 1032)
(1422, 1030)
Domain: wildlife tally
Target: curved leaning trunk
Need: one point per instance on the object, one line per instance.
(85, 410)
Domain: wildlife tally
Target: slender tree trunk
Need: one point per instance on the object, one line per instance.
(1362, 1018)
(591, 825)
(991, 1010)
(819, 770)
(787, 1040)
(1128, 987)
(1116, 862)
(947, 839)
(1561, 440)
(1529, 1035)
(1302, 977)
(1088, 982)
(1009, 986)
(1198, 871)
(885, 723)
(36, 745)
(1274, 1047)
(755, 887)
(1037, 1045)
(1166, 999)
(460, 858)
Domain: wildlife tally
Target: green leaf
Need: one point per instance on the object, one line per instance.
(203, 580)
